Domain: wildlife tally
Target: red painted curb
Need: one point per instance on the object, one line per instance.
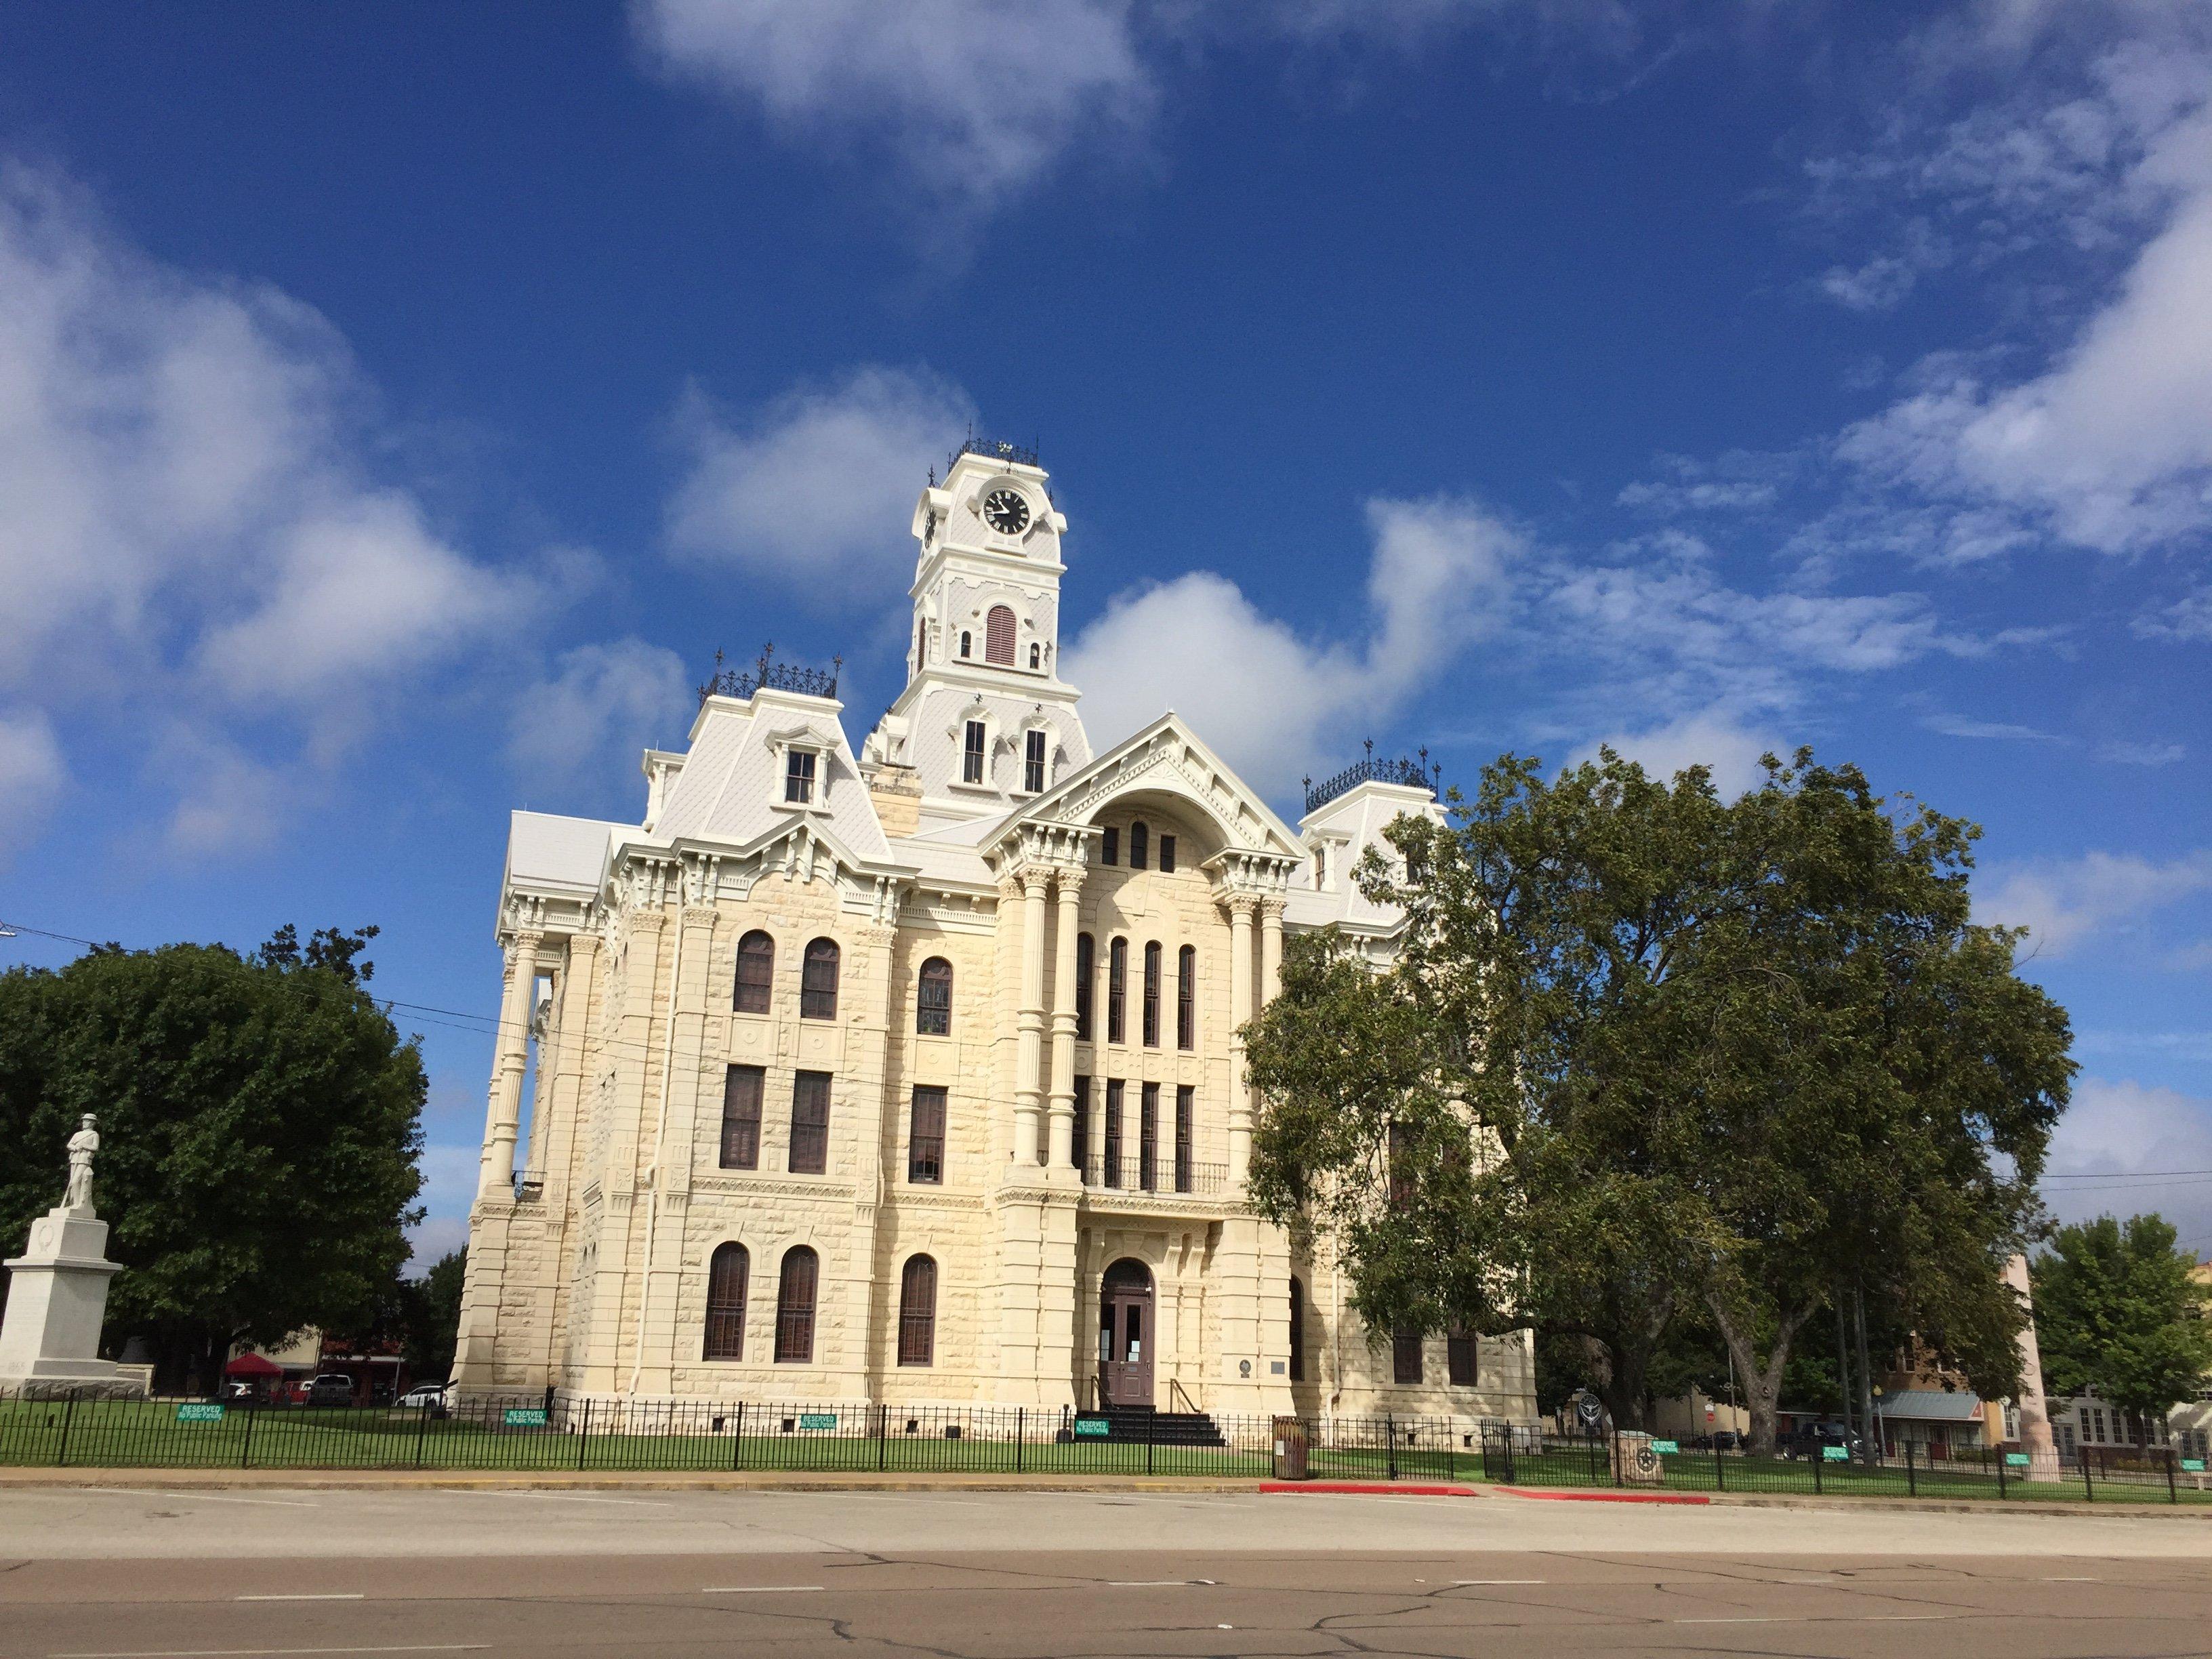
(1608, 1497)
(1387, 1490)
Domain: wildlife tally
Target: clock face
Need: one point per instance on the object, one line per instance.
(1005, 512)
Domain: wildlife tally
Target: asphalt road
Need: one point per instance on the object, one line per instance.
(151, 1575)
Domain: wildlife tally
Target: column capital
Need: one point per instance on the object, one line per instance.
(1272, 909)
(1067, 883)
(1241, 906)
(1035, 880)
(701, 915)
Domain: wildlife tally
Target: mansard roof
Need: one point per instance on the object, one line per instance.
(1165, 757)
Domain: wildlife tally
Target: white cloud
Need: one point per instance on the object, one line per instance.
(2126, 753)
(1883, 282)
(2066, 903)
(1960, 725)
(1729, 751)
(32, 777)
(2115, 1129)
(815, 493)
(2189, 617)
(1270, 700)
(602, 707)
(189, 524)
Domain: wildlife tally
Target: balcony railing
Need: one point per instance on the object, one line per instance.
(1133, 1172)
(774, 675)
(1412, 773)
(529, 1186)
(995, 449)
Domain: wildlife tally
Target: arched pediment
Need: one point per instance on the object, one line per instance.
(1166, 761)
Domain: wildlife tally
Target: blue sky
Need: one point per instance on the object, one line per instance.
(400, 405)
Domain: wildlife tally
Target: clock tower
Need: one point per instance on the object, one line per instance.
(985, 721)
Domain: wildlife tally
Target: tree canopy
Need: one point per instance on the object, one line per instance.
(2118, 1312)
(1641, 1049)
(259, 1122)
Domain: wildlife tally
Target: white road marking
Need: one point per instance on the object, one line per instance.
(1498, 1581)
(329, 1595)
(2073, 1581)
(757, 1590)
(205, 1496)
(1155, 1584)
(257, 1653)
(1759, 1618)
(562, 1497)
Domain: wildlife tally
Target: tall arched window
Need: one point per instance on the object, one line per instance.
(1187, 997)
(1298, 1331)
(755, 972)
(1086, 966)
(1117, 981)
(932, 1002)
(966, 643)
(795, 1307)
(998, 636)
(728, 1273)
(921, 645)
(1037, 656)
(1152, 994)
(817, 981)
(918, 1311)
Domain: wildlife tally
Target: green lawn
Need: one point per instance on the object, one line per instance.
(150, 1435)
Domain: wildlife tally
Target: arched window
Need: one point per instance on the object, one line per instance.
(918, 1311)
(932, 1003)
(1298, 1331)
(1117, 980)
(728, 1273)
(1086, 967)
(1187, 997)
(1152, 994)
(755, 972)
(921, 645)
(817, 981)
(795, 1307)
(998, 636)
(966, 643)
(1037, 656)
(1137, 853)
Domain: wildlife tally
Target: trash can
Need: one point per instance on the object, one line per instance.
(1291, 1449)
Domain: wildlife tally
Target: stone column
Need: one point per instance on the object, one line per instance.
(1271, 950)
(675, 1142)
(1062, 1138)
(1029, 1075)
(503, 1113)
(1241, 907)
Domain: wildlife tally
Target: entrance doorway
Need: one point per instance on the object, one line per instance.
(1124, 1334)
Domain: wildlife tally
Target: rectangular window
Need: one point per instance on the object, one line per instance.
(1117, 980)
(1404, 1356)
(925, 1140)
(1148, 1139)
(1136, 847)
(1152, 994)
(1086, 969)
(799, 776)
(1459, 1359)
(1079, 1148)
(810, 1123)
(1187, 998)
(1110, 846)
(1033, 763)
(1167, 855)
(741, 1116)
(1111, 1169)
(1186, 1111)
(971, 754)
(1320, 869)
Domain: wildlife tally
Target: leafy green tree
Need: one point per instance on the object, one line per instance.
(434, 1321)
(259, 1122)
(2117, 1310)
(1643, 1051)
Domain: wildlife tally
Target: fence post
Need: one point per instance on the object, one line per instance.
(1615, 1449)
(2001, 1472)
(1390, 1444)
(1451, 1450)
(738, 1440)
(246, 1450)
(1720, 1470)
(1817, 1476)
(1912, 1473)
(2088, 1487)
(69, 1416)
(1021, 1435)
(1151, 1433)
(584, 1432)
(883, 1435)
(2172, 1488)
(422, 1428)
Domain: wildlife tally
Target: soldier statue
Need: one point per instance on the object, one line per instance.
(81, 1145)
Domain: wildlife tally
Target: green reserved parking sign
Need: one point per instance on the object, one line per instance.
(1835, 1453)
(1667, 1445)
(1091, 1428)
(818, 1420)
(199, 1411)
(524, 1417)
(2194, 1465)
(2016, 1460)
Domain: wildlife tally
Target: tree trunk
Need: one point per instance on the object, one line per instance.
(1762, 1384)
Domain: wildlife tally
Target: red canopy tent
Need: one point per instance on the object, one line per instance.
(253, 1366)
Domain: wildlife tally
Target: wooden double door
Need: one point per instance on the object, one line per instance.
(1126, 1314)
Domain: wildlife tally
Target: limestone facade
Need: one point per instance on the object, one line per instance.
(1027, 1044)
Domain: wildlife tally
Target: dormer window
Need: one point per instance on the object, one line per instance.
(799, 777)
(1033, 762)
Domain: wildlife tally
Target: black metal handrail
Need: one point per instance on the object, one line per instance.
(1132, 1172)
(1403, 769)
(997, 449)
(772, 676)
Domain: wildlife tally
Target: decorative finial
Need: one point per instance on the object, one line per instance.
(1370, 749)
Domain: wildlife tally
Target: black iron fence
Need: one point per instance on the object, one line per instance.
(526, 1432)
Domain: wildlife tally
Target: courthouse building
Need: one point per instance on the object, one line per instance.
(911, 1073)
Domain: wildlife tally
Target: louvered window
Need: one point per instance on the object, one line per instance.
(1406, 1356)
(998, 636)
(932, 1003)
(817, 981)
(1117, 981)
(918, 1311)
(1187, 997)
(728, 1273)
(1459, 1359)
(1152, 994)
(1079, 1148)
(1086, 965)
(810, 1123)
(741, 1116)
(925, 1140)
(755, 973)
(1110, 1170)
(1148, 1138)
(795, 1307)
(1186, 1133)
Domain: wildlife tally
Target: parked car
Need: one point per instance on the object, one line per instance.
(330, 1389)
(1728, 1440)
(425, 1396)
(1812, 1441)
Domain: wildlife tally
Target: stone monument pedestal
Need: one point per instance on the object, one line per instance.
(56, 1299)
